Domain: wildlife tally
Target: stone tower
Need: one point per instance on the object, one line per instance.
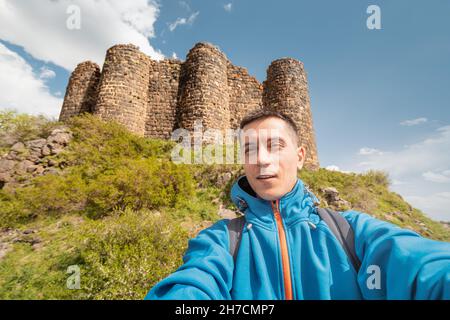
(123, 88)
(204, 89)
(81, 93)
(153, 98)
(286, 91)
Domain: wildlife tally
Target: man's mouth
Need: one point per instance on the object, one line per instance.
(266, 176)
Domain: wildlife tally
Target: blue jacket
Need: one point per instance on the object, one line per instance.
(287, 251)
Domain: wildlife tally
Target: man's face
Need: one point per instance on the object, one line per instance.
(271, 157)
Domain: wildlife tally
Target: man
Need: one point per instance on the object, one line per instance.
(288, 252)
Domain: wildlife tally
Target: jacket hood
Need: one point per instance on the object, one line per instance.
(297, 204)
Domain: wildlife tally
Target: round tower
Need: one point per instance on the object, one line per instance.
(204, 89)
(286, 91)
(81, 92)
(123, 88)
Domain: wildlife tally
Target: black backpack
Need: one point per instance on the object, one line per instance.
(335, 221)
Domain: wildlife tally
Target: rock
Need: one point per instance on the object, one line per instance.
(4, 177)
(39, 170)
(32, 168)
(6, 165)
(51, 163)
(226, 177)
(36, 144)
(33, 157)
(223, 179)
(16, 156)
(29, 159)
(60, 130)
(23, 166)
(59, 136)
(45, 151)
(332, 198)
(18, 147)
(50, 171)
(331, 194)
(226, 213)
(55, 149)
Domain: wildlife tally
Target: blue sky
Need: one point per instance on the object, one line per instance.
(380, 98)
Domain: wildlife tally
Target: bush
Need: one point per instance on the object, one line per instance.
(137, 184)
(126, 254)
(22, 127)
(119, 257)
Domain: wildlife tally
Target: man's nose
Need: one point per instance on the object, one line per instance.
(264, 158)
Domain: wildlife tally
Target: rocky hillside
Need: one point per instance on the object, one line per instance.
(93, 195)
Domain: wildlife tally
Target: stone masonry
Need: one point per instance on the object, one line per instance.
(153, 98)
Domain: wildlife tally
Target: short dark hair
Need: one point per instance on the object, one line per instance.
(261, 114)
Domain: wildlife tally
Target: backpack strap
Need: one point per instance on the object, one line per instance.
(342, 231)
(235, 227)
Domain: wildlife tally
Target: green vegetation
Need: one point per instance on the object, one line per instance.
(22, 127)
(123, 212)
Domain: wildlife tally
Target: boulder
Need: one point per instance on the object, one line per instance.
(23, 166)
(18, 147)
(36, 144)
(6, 165)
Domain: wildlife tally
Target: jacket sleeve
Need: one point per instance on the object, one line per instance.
(409, 266)
(207, 272)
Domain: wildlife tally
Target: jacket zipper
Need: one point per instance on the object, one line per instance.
(284, 251)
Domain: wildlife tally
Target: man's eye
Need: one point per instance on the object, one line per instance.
(250, 150)
(275, 145)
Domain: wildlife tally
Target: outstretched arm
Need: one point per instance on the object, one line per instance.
(409, 266)
(207, 272)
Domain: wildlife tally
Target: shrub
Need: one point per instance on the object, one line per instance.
(21, 127)
(126, 254)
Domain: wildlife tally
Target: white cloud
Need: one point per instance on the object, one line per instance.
(439, 177)
(369, 151)
(413, 122)
(23, 90)
(182, 21)
(430, 154)
(438, 203)
(174, 55)
(228, 7)
(396, 182)
(40, 27)
(46, 73)
(335, 168)
(421, 167)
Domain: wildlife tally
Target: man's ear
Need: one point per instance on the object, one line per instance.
(301, 154)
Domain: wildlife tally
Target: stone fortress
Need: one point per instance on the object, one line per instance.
(153, 98)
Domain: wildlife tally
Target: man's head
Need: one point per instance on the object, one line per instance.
(271, 153)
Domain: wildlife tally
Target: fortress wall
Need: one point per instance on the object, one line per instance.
(162, 98)
(123, 89)
(286, 90)
(204, 89)
(153, 98)
(81, 92)
(245, 94)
